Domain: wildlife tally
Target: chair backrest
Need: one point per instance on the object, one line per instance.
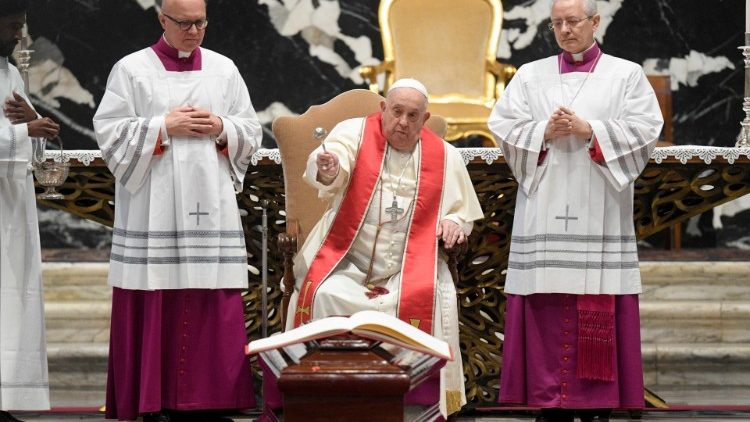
(662, 86)
(446, 44)
(294, 137)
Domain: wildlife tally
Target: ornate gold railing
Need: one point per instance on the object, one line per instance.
(678, 183)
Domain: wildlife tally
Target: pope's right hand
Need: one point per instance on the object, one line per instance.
(328, 166)
(188, 121)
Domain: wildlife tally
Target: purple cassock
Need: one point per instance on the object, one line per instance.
(540, 350)
(540, 355)
(179, 349)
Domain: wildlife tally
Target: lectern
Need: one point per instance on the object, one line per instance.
(344, 379)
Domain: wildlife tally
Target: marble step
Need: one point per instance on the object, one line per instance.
(695, 280)
(84, 365)
(77, 366)
(76, 281)
(696, 364)
(77, 314)
(661, 280)
(695, 321)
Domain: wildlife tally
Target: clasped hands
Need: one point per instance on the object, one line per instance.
(193, 121)
(563, 122)
(18, 111)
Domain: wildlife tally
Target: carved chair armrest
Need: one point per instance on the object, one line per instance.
(453, 254)
(503, 73)
(371, 72)
(288, 248)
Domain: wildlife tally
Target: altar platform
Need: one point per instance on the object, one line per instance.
(694, 413)
(678, 183)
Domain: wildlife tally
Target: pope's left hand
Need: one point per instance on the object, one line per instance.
(17, 110)
(451, 233)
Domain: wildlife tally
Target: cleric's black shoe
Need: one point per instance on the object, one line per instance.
(214, 417)
(556, 415)
(591, 415)
(157, 417)
(7, 417)
(199, 416)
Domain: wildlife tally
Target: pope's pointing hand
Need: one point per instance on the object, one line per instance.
(328, 167)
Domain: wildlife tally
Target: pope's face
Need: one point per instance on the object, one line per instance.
(404, 114)
(10, 32)
(184, 11)
(574, 30)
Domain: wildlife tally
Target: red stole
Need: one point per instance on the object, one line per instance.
(419, 266)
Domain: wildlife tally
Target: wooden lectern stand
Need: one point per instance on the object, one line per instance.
(344, 379)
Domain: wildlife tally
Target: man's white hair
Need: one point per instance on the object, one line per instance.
(589, 6)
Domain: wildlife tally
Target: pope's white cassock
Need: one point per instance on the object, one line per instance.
(345, 291)
(177, 226)
(23, 351)
(573, 255)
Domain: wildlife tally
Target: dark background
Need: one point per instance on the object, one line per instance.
(89, 36)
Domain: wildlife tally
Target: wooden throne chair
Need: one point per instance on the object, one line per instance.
(295, 137)
(451, 47)
(662, 86)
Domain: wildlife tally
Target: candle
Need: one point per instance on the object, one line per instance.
(747, 16)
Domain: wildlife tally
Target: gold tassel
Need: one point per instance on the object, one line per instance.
(452, 401)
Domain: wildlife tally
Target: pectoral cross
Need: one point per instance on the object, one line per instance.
(394, 211)
(198, 213)
(566, 218)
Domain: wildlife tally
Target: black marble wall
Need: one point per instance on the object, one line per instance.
(291, 61)
(92, 35)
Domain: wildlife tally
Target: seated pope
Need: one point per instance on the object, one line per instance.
(396, 189)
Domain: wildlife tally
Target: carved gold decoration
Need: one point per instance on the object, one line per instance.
(669, 191)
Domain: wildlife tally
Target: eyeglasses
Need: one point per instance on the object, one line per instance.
(557, 24)
(200, 24)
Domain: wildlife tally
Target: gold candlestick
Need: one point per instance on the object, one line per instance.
(23, 61)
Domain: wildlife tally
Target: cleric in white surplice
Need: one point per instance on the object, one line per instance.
(576, 129)
(24, 384)
(177, 128)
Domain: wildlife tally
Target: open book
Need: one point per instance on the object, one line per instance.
(367, 324)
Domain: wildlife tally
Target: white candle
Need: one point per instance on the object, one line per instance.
(747, 16)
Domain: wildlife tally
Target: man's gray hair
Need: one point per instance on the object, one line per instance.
(589, 6)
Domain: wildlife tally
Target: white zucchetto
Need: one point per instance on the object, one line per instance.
(409, 83)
